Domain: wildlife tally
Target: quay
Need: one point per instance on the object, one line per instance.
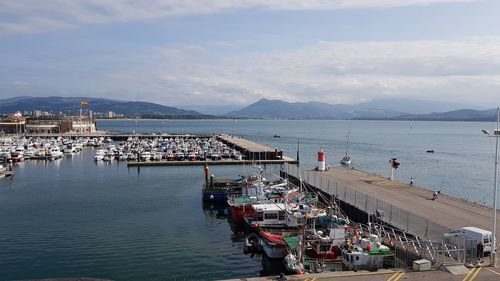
(404, 206)
(479, 274)
(368, 198)
(208, 162)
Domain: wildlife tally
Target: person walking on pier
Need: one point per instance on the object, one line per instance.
(480, 252)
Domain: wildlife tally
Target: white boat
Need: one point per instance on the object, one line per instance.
(365, 253)
(145, 156)
(268, 215)
(55, 153)
(214, 156)
(192, 156)
(179, 156)
(157, 155)
(346, 160)
(70, 148)
(99, 155)
(30, 153)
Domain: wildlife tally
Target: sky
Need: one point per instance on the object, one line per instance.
(235, 52)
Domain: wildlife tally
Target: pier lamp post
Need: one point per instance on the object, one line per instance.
(496, 134)
(394, 165)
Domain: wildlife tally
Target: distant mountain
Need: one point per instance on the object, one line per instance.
(455, 115)
(219, 110)
(72, 104)
(414, 106)
(276, 109)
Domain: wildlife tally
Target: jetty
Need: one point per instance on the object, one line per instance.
(407, 207)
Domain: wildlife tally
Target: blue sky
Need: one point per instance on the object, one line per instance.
(219, 52)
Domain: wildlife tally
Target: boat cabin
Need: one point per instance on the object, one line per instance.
(268, 214)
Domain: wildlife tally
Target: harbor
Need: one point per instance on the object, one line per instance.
(367, 214)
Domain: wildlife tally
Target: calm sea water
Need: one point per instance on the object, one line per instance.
(74, 218)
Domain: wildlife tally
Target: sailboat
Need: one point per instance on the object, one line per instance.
(346, 160)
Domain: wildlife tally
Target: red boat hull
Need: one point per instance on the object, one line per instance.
(239, 212)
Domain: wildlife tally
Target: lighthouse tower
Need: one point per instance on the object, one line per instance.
(321, 160)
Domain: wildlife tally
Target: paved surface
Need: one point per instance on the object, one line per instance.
(475, 274)
(447, 211)
(251, 146)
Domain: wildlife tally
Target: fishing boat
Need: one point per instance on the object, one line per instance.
(220, 190)
(273, 245)
(254, 191)
(267, 215)
(346, 160)
(367, 253)
(320, 246)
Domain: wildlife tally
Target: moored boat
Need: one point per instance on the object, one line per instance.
(367, 253)
(221, 189)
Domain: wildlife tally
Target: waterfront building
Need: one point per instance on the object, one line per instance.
(12, 124)
(70, 124)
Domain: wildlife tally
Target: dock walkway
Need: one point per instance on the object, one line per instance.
(253, 150)
(407, 207)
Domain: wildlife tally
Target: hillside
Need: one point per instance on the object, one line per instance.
(455, 115)
(72, 104)
(276, 109)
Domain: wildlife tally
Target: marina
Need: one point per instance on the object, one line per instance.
(282, 219)
(144, 149)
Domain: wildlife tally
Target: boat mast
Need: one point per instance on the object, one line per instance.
(347, 146)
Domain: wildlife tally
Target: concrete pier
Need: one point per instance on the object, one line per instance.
(402, 205)
(482, 273)
(208, 162)
(252, 150)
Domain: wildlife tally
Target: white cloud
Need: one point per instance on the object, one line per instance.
(31, 16)
(335, 72)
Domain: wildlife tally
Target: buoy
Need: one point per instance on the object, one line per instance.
(321, 160)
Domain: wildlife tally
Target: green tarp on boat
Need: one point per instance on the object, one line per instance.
(292, 241)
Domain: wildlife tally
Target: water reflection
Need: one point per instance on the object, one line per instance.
(218, 210)
(272, 266)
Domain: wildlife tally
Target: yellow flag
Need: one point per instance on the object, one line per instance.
(84, 103)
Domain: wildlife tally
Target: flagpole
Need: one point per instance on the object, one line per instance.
(81, 108)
